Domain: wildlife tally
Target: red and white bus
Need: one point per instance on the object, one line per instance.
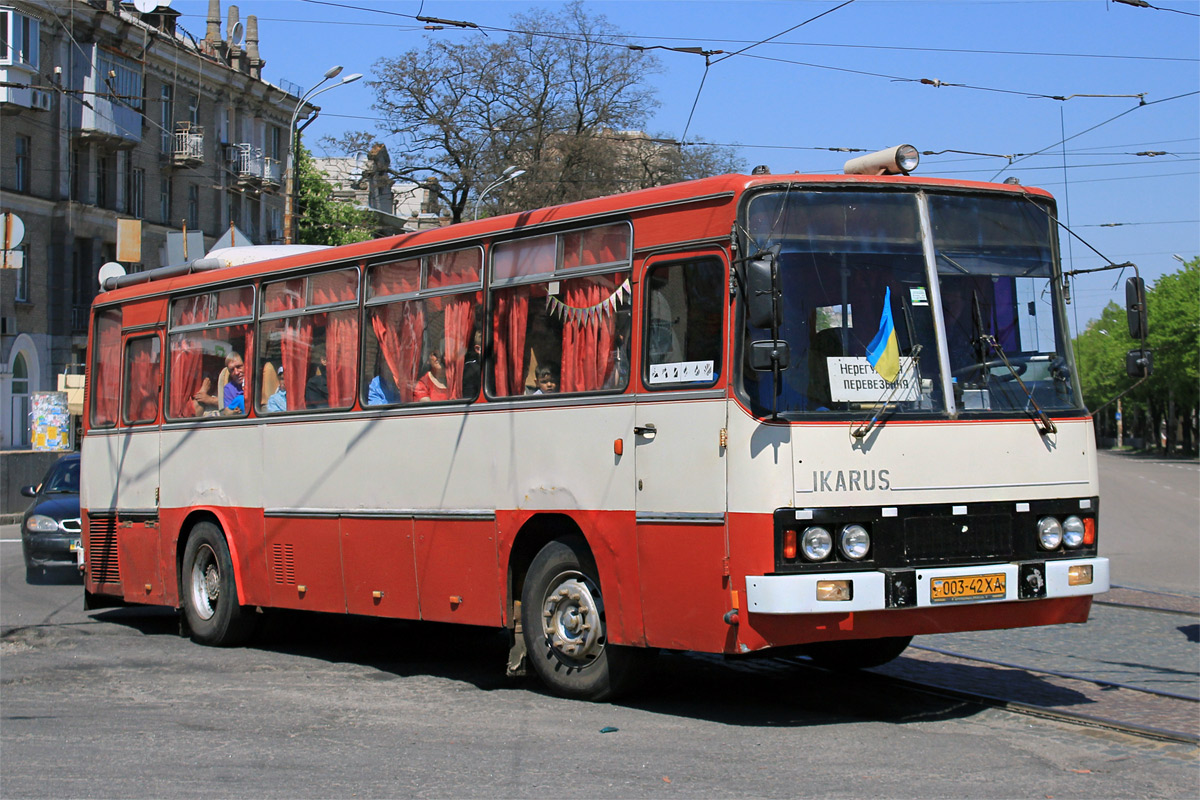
(653, 420)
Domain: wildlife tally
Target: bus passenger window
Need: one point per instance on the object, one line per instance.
(683, 331)
(574, 332)
(106, 368)
(206, 371)
(142, 379)
(423, 344)
(309, 335)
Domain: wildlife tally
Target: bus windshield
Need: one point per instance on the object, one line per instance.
(853, 263)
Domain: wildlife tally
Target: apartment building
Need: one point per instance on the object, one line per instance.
(119, 131)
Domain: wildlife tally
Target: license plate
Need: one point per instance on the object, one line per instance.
(966, 588)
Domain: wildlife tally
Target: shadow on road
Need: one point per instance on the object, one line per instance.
(54, 576)
(751, 692)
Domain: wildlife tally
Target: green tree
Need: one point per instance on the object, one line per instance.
(319, 218)
(1173, 390)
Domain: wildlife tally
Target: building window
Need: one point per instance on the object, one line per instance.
(167, 118)
(76, 176)
(21, 294)
(275, 142)
(193, 109)
(137, 193)
(21, 151)
(193, 207)
(20, 39)
(106, 189)
(164, 200)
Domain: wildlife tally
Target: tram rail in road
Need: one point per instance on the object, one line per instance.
(1126, 705)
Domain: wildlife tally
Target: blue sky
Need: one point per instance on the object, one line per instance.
(851, 79)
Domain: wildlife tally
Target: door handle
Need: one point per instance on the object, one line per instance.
(648, 430)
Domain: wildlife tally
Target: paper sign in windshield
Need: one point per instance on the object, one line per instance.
(681, 372)
(854, 380)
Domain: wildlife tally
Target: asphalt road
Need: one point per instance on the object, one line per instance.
(114, 703)
(1150, 521)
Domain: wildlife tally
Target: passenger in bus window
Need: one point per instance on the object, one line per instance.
(547, 380)
(473, 367)
(235, 393)
(383, 390)
(432, 385)
(278, 399)
(316, 390)
(204, 400)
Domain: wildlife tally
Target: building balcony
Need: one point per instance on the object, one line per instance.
(252, 168)
(188, 146)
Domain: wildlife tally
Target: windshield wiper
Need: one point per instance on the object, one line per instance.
(882, 403)
(1043, 421)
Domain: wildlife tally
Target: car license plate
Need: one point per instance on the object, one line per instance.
(967, 588)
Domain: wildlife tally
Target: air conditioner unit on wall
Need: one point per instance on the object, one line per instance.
(40, 100)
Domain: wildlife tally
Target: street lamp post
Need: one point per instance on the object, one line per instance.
(509, 174)
(289, 189)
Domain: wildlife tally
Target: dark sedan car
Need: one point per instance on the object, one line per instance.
(50, 528)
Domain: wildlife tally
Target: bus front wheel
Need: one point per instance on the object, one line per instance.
(210, 600)
(562, 620)
(855, 654)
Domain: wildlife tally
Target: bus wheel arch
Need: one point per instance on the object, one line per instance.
(208, 588)
(563, 625)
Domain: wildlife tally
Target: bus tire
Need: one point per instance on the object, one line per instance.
(562, 620)
(855, 654)
(210, 600)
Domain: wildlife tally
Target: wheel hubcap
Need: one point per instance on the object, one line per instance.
(571, 619)
(206, 582)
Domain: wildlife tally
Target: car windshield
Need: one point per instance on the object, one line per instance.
(852, 264)
(63, 478)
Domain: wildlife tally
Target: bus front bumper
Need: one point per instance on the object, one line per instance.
(878, 590)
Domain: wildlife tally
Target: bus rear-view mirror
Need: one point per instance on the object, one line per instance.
(1139, 363)
(760, 292)
(766, 353)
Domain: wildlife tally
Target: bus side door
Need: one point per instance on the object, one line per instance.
(680, 465)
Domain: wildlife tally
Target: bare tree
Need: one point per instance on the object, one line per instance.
(545, 98)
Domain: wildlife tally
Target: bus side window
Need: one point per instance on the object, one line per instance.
(575, 327)
(142, 379)
(683, 323)
(106, 368)
(310, 330)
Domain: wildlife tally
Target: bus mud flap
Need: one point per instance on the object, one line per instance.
(517, 655)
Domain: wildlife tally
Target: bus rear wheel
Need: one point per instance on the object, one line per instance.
(210, 600)
(562, 620)
(856, 653)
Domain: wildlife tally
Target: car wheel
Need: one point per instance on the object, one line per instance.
(562, 620)
(210, 599)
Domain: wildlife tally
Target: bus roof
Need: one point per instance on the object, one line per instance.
(266, 259)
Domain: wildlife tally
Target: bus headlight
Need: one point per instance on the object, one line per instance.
(40, 524)
(1050, 533)
(816, 543)
(855, 542)
(1072, 532)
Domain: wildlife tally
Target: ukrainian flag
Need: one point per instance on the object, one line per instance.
(884, 351)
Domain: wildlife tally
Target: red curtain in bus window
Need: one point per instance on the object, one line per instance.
(588, 332)
(400, 330)
(107, 371)
(186, 356)
(341, 355)
(508, 337)
(142, 395)
(458, 313)
(296, 350)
